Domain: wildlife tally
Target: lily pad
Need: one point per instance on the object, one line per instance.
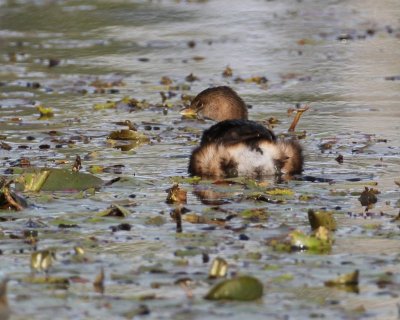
(242, 288)
(52, 179)
(318, 242)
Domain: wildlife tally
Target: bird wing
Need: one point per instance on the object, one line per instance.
(234, 131)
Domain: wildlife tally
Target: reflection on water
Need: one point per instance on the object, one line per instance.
(333, 55)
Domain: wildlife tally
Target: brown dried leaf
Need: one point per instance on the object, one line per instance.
(176, 194)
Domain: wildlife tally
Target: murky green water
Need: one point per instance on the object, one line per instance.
(336, 56)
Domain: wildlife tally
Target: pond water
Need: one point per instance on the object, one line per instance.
(339, 57)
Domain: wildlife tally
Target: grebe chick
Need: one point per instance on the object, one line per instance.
(218, 103)
(244, 148)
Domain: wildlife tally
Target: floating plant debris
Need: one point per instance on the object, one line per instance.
(98, 282)
(52, 179)
(45, 113)
(42, 260)
(368, 197)
(242, 288)
(9, 199)
(321, 218)
(349, 279)
(176, 194)
(218, 269)
(228, 72)
(114, 211)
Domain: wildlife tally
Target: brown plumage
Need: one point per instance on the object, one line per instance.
(228, 149)
(218, 103)
(237, 146)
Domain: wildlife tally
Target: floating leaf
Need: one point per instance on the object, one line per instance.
(5, 146)
(79, 251)
(349, 279)
(242, 288)
(319, 242)
(107, 105)
(306, 197)
(190, 180)
(257, 79)
(219, 268)
(321, 218)
(176, 194)
(42, 260)
(63, 223)
(127, 134)
(280, 192)
(45, 113)
(96, 169)
(114, 211)
(255, 215)
(51, 179)
(155, 221)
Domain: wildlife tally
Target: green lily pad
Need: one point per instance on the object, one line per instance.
(319, 242)
(243, 288)
(51, 179)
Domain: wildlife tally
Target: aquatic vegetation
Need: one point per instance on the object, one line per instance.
(241, 288)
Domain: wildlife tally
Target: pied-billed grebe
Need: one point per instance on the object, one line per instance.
(218, 103)
(244, 148)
